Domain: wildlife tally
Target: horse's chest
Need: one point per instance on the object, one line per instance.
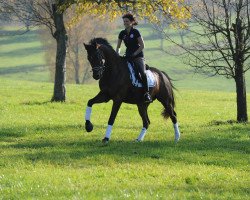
(112, 89)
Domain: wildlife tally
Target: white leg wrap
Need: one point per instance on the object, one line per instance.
(142, 134)
(177, 133)
(88, 113)
(108, 131)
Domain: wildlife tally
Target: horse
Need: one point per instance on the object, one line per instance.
(114, 82)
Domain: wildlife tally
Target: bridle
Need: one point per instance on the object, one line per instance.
(100, 68)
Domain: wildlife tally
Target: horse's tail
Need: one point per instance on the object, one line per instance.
(169, 87)
(170, 80)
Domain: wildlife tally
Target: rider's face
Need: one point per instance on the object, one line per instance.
(127, 23)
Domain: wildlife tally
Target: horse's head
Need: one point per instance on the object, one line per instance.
(96, 59)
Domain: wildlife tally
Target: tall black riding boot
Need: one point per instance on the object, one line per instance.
(147, 96)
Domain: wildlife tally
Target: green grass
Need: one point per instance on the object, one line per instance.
(46, 153)
(22, 56)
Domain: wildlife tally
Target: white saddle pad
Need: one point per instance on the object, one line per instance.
(136, 82)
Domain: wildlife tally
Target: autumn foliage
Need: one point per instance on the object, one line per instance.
(176, 10)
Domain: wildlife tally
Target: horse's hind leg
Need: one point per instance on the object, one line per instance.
(142, 108)
(169, 112)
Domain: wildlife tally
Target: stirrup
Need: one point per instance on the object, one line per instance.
(147, 98)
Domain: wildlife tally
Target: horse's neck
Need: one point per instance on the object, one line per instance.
(113, 60)
(115, 71)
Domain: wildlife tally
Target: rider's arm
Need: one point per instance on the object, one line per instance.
(118, 46)
(141, 43)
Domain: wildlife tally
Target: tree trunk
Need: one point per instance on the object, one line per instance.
(239, 72)
(77, 65)
(241, 98)
(60, 72)
(77, 80)
(181, 33)
(85, 75)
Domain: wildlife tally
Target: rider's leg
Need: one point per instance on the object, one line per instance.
(140, 63)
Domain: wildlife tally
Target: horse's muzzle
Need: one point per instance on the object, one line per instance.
(96, 77)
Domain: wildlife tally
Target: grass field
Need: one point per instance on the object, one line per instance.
(22, 56)
(46, 153)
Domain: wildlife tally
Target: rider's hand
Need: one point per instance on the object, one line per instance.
(129, 57)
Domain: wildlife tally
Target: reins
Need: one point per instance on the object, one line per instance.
(101, 67)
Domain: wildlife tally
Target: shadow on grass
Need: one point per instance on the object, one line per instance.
(155, 36)
(10, 133)
(218, 123)
(35, 103)
(22, 52)
(209, 150)
(19, 69)
(11, 37)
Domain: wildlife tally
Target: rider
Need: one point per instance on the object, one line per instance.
(134, 45)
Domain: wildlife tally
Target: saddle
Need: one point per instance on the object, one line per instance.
(135, 76)
(135, 67)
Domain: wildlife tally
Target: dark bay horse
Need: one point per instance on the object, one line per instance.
(114, 81)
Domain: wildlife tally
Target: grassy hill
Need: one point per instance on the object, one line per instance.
(22, 57)
(46, 153)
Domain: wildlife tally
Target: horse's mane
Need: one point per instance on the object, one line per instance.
(100, 41)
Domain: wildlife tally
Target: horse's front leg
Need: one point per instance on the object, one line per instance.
(115, 108)
(99, 98)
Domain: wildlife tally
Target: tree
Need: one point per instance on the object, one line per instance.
(4, 15)
(219, 44)
(45, 12)
(61, 41)
(85, 29)
(174, 9)
(226, 26)
(78, 68)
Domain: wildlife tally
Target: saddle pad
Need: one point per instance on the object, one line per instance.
(138, 83)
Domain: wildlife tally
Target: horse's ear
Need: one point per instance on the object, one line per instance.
(86, 46)
(90, 47)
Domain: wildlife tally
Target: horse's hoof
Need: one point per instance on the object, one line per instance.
(88, 126)
(176, 140)
(137, 140)
(105, 140)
